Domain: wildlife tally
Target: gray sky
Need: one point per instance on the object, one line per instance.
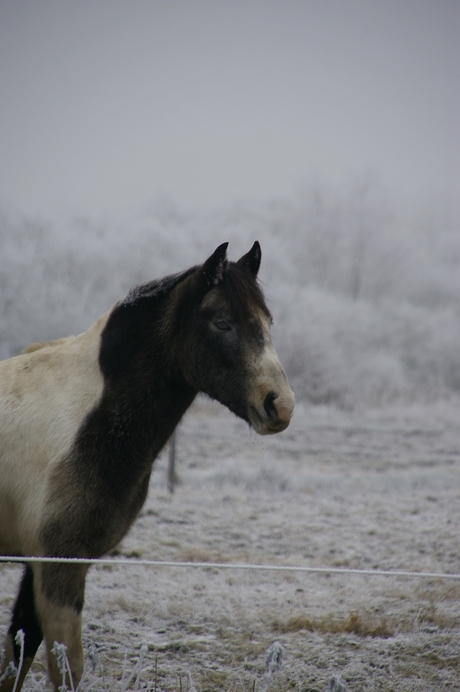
(106, 105)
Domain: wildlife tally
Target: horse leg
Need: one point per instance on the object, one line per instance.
(24, 618)
(59, 594)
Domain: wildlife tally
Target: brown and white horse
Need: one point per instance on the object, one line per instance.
(83, 418)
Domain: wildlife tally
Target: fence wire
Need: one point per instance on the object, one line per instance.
(123, 562)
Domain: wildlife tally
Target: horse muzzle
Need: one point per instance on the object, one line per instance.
(275, 414)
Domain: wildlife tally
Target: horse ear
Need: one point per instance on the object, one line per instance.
(215, 266)
(252, 259)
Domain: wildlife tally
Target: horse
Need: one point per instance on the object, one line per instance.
(83, 418)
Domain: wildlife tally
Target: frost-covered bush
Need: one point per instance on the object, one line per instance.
(366, 299)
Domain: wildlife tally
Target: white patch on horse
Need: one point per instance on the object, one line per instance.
(48, 389)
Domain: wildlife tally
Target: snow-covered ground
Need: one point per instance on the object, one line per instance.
(375, 490)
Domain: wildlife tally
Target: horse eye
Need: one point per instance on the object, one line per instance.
(222, 325)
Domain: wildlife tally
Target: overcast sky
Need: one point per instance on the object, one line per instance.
(107, 105)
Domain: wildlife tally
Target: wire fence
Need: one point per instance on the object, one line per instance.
(346, 571)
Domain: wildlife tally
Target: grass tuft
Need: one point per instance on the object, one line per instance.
(354, 623)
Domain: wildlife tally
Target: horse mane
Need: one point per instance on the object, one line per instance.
(154, 289)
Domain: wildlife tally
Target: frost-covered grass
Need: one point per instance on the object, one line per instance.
(373, 490)
(93, 677)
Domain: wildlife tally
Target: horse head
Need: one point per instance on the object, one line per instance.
(227, 351)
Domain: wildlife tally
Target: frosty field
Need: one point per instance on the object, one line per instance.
(376, 490)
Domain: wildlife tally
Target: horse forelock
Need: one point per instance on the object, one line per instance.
(243, 292)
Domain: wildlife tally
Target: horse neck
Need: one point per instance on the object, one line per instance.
(145, 395)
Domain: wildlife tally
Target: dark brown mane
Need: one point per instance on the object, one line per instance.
(243, 292)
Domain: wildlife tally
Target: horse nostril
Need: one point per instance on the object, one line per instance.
(269, 405)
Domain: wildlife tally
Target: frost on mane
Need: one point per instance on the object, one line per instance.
(152, 289)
